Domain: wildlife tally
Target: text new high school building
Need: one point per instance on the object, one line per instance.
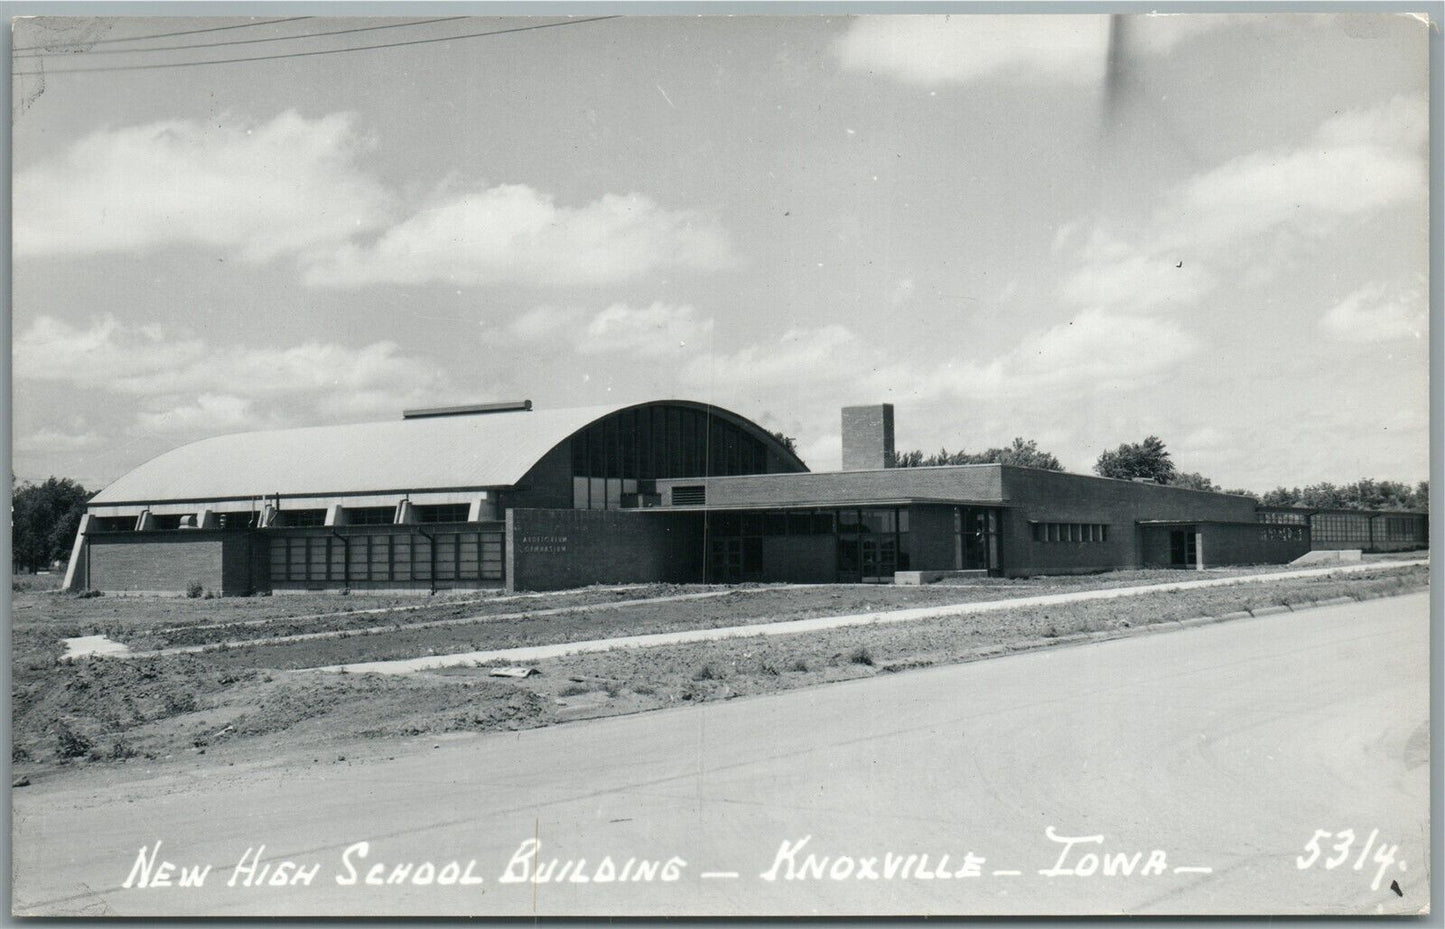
(504, 495)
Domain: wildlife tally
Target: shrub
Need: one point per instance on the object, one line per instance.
(707, 673)
(69, 743)
(88, 594)
(861, 655)
(573, 690)
(194, 589)
(798, 664)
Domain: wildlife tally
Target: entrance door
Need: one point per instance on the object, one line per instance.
(1183, 552)
(869, 545)
(976, 539)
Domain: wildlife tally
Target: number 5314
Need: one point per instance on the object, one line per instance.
(1341, 845)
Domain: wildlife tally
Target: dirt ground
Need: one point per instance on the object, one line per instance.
(218, 707)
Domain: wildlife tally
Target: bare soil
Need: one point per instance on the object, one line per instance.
(220, 707)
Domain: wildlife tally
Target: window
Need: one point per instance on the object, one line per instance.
(442, 513)
(1070, 532)
(300, 518)
(370, 515)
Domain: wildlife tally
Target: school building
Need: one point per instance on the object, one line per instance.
(505, 495)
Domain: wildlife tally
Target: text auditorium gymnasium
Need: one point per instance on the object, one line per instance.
(503, 495)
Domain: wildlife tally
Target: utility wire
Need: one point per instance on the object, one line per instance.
(279, 38)
(329, 51)
(163, 35)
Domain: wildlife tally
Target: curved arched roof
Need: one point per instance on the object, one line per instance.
(430, 453)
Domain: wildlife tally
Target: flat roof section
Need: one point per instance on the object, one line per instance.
(822, 504)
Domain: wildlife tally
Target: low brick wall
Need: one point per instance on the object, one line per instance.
(163, 562)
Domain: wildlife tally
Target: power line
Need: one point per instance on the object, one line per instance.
(280, 38)
(329, 51)
(164, 35)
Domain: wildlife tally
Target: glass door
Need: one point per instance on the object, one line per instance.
(976, 531)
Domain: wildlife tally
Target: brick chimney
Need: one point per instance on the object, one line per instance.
(867, 437)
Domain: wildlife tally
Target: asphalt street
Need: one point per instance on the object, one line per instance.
(1277, 765)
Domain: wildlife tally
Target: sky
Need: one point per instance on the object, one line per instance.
(1210, 228)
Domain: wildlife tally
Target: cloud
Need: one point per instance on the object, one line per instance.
(298, 187)
(1403, 123)
(1355, 164)
(1138, 281)
(649, 332)
(1051, 378)
(256, 189)
(1257, 192)
(514, 234)
(50, 441)
(189, 385)
(799, 355)
(209, 413)
(654, 331)
(1378, 313)
(1095, 352)
(930, 51)
(103, 354)
(542, 322)
(903, 291)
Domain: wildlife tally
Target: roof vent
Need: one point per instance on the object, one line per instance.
(473, 409)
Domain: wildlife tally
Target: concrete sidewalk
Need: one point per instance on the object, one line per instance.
(816, 624)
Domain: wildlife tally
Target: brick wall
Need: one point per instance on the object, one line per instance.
(867, 436)
(160, 563)
(981, 483)
(555, 549)
(1052, 496)
(1226, 544)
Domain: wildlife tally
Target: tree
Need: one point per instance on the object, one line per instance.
(790, 443)
(1364, 494)
(1146, 459)
(1193, 480)
(913, 459)
(1021, 453)
(44, 520)
(1026, 455)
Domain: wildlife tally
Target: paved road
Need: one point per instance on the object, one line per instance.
(1223, 747)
